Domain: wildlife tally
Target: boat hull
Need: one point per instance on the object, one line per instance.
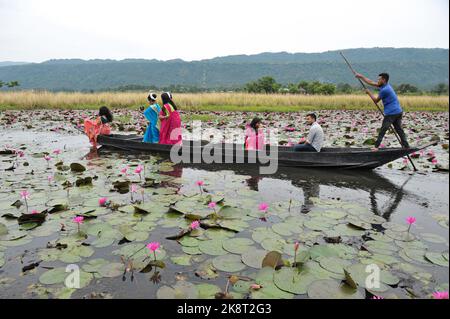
(202, 152)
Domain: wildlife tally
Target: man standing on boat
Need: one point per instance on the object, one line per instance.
(314, 141)
(393, 112)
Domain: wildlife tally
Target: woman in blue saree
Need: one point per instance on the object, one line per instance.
(152, 115)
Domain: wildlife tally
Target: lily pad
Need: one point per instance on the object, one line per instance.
(228, 263)
(331, 289)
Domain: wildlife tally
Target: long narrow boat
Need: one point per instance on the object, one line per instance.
(345, 158)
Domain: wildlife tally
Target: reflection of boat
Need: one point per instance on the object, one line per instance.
(347, 158)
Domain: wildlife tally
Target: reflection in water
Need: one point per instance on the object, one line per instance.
(396, 198)
(311, 180)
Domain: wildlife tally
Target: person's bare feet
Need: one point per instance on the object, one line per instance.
(375, 149)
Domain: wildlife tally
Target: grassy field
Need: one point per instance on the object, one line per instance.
(24, 100)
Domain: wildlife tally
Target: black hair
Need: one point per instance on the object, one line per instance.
(384, 76)
(150, 98)
(167, 99)
(313, 115)
(104, 111)
(254, 122)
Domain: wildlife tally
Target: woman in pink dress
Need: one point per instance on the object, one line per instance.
(170, 132)
(254, 136)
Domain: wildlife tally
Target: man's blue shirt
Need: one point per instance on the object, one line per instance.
(390, 100)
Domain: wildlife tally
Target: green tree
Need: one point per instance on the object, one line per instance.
(265, 84)
(1, 84)
(441, 88)
(12, 84)
(344, 88)
(405, 88)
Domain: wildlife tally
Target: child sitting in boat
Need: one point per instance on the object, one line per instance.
(152, 115)
(99, 126)
(254, 135)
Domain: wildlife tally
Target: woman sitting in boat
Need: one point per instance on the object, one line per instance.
(254, 135)
(152, 115)
(99, 126)
(170, 132)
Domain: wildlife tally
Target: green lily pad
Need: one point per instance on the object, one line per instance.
(213, 247)
(183, 260)
(334, 264)
(237, 245)
(331, 289)
(207, 291)
(437, 258)
(290, 280)
(228, 263)
(181, 290)
(254, 258)
(111, 270)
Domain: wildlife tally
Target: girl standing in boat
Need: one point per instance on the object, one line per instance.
(254, 136)
(152, 115)
(99, 126)
(170, 132)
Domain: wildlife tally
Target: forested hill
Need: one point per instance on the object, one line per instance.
(423, 68)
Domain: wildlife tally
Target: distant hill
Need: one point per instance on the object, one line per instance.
(421, 67)
(8, 63)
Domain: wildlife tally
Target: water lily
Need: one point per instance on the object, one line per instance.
(263, 207)
(154, 247)
(50, 179)
(440, 295)
(377, 297)
(410, 220)
(57, 152)
(434, 161)
(48, 159)
(78, 220)
(124, 170)
(213, 206)
(200, 185)
(25, 195)
(133, 189)
(34, 212)
(139, 170)
(194, 225)
(102, 201)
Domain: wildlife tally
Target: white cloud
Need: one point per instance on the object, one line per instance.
(197, 29)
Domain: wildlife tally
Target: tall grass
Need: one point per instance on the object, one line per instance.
(211, 101)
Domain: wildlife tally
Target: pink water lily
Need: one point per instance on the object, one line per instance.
(78, 219)
(440, 295)
(200, 185)
(139, 170)
(25, 194)
(434, 161)
(50, 179)
(195, 224)
(377, 297)
(263, 207)
(102, 201)
(212, 205)
(57, 151)
(255, 286)
(154, 247)
(47, 158)
(34, 212)
(20, 153)
(124, 170)
(410, 220)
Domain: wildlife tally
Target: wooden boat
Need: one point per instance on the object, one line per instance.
(344, 158)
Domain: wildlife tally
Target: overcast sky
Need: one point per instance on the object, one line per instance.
(35, 31)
